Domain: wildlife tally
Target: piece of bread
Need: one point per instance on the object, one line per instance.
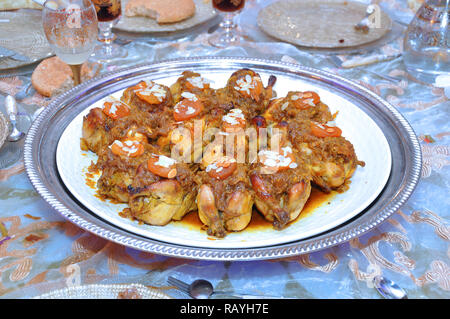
(18, 4)
(52, 76)
(164, 11)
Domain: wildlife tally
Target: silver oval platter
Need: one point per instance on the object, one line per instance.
(381, 136)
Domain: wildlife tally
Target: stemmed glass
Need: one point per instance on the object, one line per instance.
(228, 35)
(108, 14)
(71, 30)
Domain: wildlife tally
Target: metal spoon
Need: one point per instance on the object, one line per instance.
(388, 289)
(23, 92)
(11, 110)
(203, 289)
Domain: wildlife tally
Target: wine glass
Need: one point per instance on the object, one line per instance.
(108, 14)
(228, 35)
(71, 30)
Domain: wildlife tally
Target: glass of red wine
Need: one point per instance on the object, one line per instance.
(108, 14)
(228, 34)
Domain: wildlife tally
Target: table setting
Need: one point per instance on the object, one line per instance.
(104, 197)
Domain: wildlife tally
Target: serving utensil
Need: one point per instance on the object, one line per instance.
(203, 289)
(23, 92)
(11, 110)
(340, 64)
(388, 289)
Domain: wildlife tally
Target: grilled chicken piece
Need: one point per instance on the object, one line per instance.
(281, 183)
(152, 108)
(156, 199)
(116, 178)
(114, 184)
(298, 105)
(118, 164)
(245, 90)
(332, 160)
(238, 213)
(225, 199)
(160, 202)
(235, 216)
(95, 131)
(114, 120)
(194, 83)
(208, 212)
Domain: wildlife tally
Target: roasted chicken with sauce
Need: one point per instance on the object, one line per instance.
(220, 152)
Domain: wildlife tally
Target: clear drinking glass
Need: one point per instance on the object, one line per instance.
(71, 30)
(108, 14)
(228, 34)
(426, 44)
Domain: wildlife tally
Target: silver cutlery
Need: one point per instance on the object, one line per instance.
(203, 289)
(3, 56)
(11, 54)
(213, 28)
(11, 152)
(23, 93)
(388, 289)
(11, 110)
(339, 63)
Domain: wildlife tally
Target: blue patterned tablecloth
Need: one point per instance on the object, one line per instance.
(41, 252)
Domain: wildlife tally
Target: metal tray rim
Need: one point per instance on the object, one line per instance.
(329, 239)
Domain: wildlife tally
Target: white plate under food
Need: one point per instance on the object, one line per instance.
(368, 139)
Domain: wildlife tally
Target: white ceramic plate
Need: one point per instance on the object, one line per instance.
(321, 23)
(369, 142)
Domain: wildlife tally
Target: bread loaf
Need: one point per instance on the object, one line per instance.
(163, 11)
(52, 76)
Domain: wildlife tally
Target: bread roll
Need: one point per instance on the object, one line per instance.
(164, 11)
(52, 76)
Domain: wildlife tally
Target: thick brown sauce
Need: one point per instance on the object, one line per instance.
(258, 223)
